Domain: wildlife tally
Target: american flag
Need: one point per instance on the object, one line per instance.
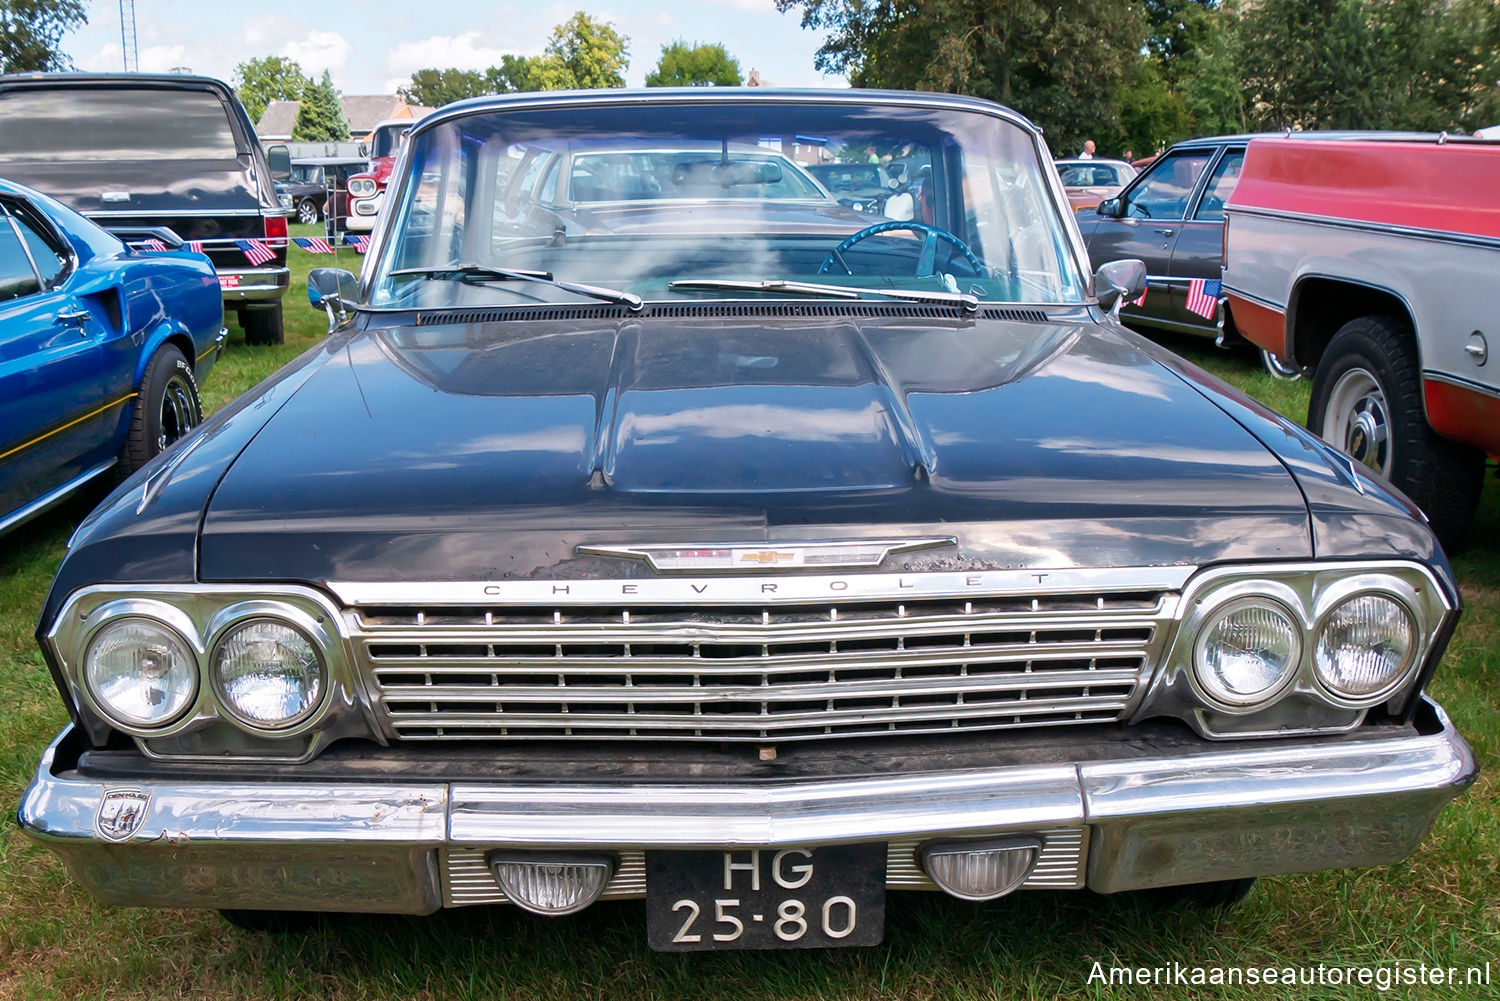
(1141, 300)
(361, 243)
(1203, 296)
(196, 246)
(256, 251)
(153, 244)
(313, 244)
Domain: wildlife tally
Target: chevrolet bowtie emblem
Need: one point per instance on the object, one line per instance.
(744, 556)
(768, 556)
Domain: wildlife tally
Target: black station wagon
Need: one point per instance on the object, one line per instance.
(756, 558)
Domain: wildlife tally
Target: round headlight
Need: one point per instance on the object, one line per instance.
(140, 672)
(1364, 646)
(1247, 652)
(268, 674)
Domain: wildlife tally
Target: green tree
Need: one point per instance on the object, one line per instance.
(1310, 64)
(321, 117)
(583, 54)
(696, 65)
(261, 81)
(1060, 64)
(433, 88)
(515, 73)
(32, 30)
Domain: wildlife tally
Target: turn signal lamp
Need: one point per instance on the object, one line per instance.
(551, 884)
(980, 870)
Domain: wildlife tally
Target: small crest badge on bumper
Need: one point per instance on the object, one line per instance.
(121, 814)
(762, 556)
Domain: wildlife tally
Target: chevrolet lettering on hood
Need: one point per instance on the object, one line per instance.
(655, 525)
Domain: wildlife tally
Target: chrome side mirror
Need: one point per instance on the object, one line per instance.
(331, 289)
(1111, 208)
(1119, 282)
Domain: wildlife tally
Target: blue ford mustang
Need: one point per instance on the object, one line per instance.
(101, 349)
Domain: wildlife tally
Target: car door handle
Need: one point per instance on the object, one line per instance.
(73, 316)
(1166, 232)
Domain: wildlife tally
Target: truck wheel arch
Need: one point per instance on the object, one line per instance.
(1321, 304)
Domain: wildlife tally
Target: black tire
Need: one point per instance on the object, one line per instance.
(308, 212)
(262, 324)
(166, 408)
(1217, 895)
(1367, 400)
(272, 922)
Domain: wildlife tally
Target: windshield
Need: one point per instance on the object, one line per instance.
(663, 200)
(385, 140)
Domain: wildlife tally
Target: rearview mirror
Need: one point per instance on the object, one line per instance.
(332, 290)
(1110, 207)
(1118, 282)
(279, 159)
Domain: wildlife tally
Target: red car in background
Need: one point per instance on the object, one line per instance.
(367, 190)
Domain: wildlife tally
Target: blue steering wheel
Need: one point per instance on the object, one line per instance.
(925, 262)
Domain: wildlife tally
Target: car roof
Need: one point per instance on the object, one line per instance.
(323, 161)
(720, 95)
(184, 81)
(1073, 161)
(1311, 135)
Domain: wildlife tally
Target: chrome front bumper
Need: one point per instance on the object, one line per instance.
(410, 847)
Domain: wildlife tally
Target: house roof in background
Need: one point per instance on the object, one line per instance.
(362, 111)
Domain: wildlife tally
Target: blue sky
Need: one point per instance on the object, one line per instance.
(371, 47)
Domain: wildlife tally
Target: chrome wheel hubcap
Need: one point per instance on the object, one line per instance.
(177, 416)
(1358, 420)
(307, 212)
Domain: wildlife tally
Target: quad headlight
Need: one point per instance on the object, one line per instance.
(1364, 647)
(1247, 652)
(267, 674)
(141, 673)
(361, 187)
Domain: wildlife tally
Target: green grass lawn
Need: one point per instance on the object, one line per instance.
(1439, 907)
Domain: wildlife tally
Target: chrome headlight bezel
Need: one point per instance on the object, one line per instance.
(162, 620)
(1414, 658)
(1310, 591)
(1221, 698)
(202, 614)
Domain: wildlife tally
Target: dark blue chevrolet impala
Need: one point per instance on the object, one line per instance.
(101, 349)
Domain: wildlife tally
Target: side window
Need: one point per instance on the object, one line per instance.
(1165, 190)
(16, 276)
(548, 194)
(50, 261)
(1220, 186)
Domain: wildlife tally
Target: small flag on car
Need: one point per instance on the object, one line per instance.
(360, 243)
(196, 246)
(1203, 296)
(152, 244)
(1141, 299)
(256, 250)
(313, 244)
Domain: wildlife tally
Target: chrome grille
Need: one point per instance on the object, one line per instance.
(468, 880)
(774, 673)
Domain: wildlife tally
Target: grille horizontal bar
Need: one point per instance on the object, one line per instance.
(467, 880)
(856, 668)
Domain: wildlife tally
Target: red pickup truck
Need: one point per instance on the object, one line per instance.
(1371, 263)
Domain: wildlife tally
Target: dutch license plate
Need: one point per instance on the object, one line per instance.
(766, 898)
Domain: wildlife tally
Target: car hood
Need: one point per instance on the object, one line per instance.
(492, 450)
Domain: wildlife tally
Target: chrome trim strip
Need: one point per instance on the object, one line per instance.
(53, 497)
(785, 589)
(858, 553)
(1461, 383)
(172, 213)
(1385, 229)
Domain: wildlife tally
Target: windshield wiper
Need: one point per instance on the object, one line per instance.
(481, 273)
(969, 303)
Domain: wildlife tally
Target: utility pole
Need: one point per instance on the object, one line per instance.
(127, 36)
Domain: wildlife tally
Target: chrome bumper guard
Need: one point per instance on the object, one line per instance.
(257, 285)
(1289, 806)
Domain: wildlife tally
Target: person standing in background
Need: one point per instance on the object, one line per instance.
(1128, 156)
(1088, 150)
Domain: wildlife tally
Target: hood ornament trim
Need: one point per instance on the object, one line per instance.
(760, 557)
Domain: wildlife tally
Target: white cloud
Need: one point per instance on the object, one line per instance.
(319, 51)
(464, 51)
(164, 58)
